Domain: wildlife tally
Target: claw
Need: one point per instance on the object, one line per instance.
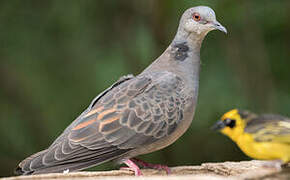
(132, 166)
(153, 166)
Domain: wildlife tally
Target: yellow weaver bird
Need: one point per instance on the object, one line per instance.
(264, 137)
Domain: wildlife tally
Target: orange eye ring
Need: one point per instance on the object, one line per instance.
(196, 17)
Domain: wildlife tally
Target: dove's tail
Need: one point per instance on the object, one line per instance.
(35, 164)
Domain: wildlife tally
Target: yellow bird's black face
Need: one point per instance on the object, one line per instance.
(231, 124)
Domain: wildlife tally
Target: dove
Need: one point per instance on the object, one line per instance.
(137, 114)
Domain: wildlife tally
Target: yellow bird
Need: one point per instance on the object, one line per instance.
(265, 137)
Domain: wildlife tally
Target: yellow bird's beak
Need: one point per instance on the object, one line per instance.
(218, 126)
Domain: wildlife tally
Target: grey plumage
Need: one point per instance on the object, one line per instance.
(264, 127)
(136, 115)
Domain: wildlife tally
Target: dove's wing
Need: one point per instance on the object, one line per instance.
(132, 114)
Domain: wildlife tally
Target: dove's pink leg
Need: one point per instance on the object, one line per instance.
(153, 166)
(132, 166)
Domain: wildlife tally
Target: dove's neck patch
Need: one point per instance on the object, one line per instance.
(180, 51)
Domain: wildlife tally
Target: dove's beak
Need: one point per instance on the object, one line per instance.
(218, 26)
(218, 126)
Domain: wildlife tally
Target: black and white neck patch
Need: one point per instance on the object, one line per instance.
(180, 51)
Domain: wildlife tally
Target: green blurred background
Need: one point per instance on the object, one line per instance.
(55, 56)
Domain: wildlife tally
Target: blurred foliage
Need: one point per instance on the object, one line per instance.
(55, 56)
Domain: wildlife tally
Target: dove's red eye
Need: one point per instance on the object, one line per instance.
(196, 17)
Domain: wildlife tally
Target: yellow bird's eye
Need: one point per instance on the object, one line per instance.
(231, 123)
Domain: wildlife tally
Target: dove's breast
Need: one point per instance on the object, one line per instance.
(184, 100)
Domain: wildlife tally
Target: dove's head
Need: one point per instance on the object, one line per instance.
(200, 20)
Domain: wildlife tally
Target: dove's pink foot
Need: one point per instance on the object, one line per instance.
(152, 166)
(133, 167)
